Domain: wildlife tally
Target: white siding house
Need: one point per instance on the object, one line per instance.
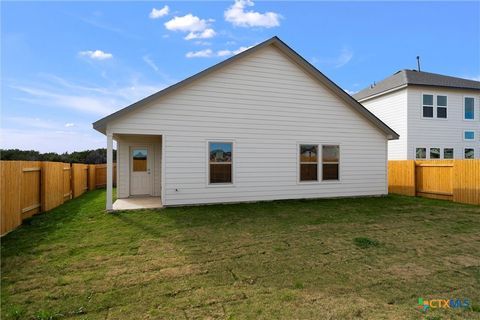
(446, 126)
(234, 133)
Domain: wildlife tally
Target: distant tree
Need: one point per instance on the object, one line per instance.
(88, 156)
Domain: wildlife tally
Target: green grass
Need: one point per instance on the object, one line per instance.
(364, 258)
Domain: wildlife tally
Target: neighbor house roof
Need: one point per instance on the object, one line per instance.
(403, 78)
(101, 124)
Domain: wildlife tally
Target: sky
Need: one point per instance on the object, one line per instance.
(65, 65)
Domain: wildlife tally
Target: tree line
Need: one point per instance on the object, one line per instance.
(88, 156)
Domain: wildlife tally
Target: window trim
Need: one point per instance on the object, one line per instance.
(474, 111)
(319, 165)
(426, 153)
(474, 153)
(474, 135)
(299, 163)
(435, 106)
(329, 162)
(443, 153)
(207, 162)
(439, 153)
(423, 105)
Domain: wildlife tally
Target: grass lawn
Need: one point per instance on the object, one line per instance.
(365, 258)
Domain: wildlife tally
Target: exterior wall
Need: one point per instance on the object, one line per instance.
(391, 109)
(442, 133)
(267, 105)
(124, 142)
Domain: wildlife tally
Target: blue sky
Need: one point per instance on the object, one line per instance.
(67, 64)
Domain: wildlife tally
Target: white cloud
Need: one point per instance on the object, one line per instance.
(205, 34)
(96, 54)
(237, 15)
(150, 62)
(69, 124)
(197, 28)
(158, 13)
(208, 53)
(342, 59)
(200, 54)
(474, 78)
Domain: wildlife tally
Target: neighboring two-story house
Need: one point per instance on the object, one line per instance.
(437, 116)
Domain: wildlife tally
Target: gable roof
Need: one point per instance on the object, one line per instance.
(413, 77)
(101, 124)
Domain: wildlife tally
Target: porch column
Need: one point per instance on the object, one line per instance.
(109, 170)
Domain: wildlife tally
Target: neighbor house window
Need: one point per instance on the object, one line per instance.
(469, 109)
(469, 153)
(330, 162)
(139, 157)
(308, 162)
(442, 107)
(428, 106)
(434, 153)
(448, 153)
(220, 162)
(468, 135)
(421, 153)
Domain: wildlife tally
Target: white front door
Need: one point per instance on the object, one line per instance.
(141, 170)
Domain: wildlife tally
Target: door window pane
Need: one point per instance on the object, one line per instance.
(139, 157)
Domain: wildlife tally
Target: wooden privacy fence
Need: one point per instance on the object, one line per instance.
(454, 180)
(31, 187)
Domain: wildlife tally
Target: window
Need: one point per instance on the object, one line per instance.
(139, 157)
(442, 107)
(469, 109)
(220, 162)
(308, 162)
(434, 153)
(448, 153)
(330, 162)
(421, 153)
(469, 153)
(468, 135)
(428, 106)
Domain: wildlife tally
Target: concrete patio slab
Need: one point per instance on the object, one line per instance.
(136, 203)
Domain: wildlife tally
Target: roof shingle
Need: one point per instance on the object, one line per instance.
(414, 77)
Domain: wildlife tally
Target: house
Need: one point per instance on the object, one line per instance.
(437, 116)
(235, 132)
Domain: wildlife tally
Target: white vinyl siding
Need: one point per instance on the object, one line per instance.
(440, 133)
(391, 109)
(266, 103)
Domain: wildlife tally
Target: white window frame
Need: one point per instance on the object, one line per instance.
(330, 162)
(474, 152)
(430, 152)
(474, 135)
(299, 163)
(474, 111)
(437, 106)
(453, 153)
(426, 153)
(423, 105)
(233, 162)
(434, 105)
